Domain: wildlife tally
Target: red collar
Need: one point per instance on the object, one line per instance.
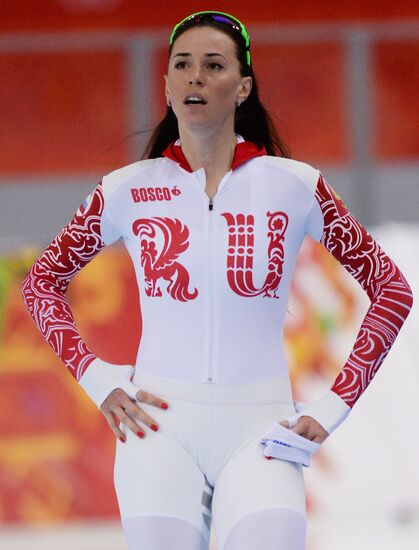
(243, 152)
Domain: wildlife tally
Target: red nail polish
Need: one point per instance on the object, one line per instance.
(154, 427)
(140, 434)
(268, 457)
(122, 439)
(164, 405)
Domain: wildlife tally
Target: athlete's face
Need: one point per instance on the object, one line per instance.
(204, 61)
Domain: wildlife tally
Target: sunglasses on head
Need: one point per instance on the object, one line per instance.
(219, 17)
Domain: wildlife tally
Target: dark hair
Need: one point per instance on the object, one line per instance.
(252, 121)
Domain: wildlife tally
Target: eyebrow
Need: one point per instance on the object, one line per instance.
(186, 54)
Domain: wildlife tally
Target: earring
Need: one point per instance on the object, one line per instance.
(168, 102)
(238, 103)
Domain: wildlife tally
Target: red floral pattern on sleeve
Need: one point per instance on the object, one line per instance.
(46, 283)
(389, 292)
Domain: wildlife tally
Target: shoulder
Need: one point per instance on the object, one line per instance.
(112, 181)
(302, 171)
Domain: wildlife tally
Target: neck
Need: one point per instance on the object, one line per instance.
(212, 151)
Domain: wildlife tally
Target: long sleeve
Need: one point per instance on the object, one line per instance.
(45, 286)
(391, 298)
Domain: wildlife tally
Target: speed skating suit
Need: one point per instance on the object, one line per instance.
(213, 278)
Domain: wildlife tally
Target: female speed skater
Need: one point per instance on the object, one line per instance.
(213, 217)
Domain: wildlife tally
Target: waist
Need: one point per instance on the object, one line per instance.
(271, 390)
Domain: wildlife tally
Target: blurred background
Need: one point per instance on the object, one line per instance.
(81, 86)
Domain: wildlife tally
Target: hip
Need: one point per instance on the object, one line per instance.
(275, 390)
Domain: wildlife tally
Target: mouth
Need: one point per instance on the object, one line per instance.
(195, 99)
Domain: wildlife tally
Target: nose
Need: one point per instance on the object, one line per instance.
(195, 76)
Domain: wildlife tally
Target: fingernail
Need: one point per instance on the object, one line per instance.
(154, 427)
(140, 434)
(268, 457)
(122, 439)
(164, 405)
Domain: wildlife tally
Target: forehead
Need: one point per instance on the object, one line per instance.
(201, 40)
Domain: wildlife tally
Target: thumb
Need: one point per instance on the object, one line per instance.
(284, 423)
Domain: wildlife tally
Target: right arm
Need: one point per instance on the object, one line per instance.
(44, 290)
(46, 283)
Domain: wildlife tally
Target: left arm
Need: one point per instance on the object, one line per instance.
(391, 300)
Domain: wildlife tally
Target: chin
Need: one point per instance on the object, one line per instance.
(197, 125)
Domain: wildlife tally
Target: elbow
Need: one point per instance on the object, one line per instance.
(408, 296)
(26, 286)
(27, 289)
(395, 297)
(405, 292)
(40, 282)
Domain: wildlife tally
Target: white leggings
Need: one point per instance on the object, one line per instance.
(203, 467)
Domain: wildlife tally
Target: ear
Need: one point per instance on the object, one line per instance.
(166, 89)
(246, 87)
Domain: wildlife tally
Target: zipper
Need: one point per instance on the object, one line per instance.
(209, 377)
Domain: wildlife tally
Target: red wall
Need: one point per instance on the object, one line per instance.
(84, 14)
(67, 112)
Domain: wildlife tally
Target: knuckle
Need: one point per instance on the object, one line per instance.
(111, 422)
(105, 404)
(136, 411)
(114, 428)
(108, 404)
(114, 393)
(108, 416)
(139, 411)
(141, 394)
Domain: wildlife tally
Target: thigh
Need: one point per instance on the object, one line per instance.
(249, 482)
(162, 533)
(268, 528)
(156, 476)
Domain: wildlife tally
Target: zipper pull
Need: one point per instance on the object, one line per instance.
(210, 204)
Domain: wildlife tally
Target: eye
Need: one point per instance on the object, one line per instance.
(180, 65)
(215, 65)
